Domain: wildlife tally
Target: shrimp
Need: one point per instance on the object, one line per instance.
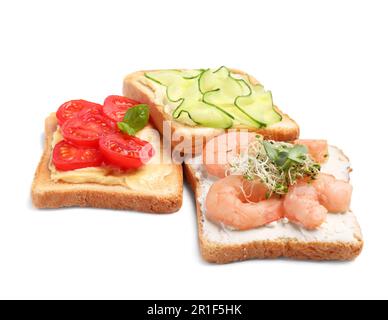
(335, 195)
(318, 149)
(309, 203)
(301, 205)
(219, 151)
(229, 203)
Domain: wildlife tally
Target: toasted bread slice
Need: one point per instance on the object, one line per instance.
(47, 193)
(339, 238)
(190, 139)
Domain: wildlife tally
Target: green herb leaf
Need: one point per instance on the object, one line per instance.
(298, 153)
(270, 150)
(282, 159)
(125, 128)
(135, 119)
(283, 156)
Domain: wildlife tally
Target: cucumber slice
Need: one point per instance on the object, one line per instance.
(244, 81)
(226, 104)
(259, 106)
(244, 77)
(168, 77)
(192, 74)
(184, 117)
(212, 79)
(203, 114)
(203, 79)
(180, 84)
(224, 89)
(184, 88)
(164, 77)
(229, 86)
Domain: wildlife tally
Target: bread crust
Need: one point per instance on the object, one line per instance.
(286, 130)
(47, 193)
(226, 253)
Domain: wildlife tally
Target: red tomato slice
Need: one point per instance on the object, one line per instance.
(71, 109)
(69, 157)
(115, 107)
(124, 151)
(86, 131)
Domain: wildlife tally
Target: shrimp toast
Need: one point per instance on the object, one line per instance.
(339, 238)
(190, 138)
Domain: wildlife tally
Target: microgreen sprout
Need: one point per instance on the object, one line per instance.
(278, 165)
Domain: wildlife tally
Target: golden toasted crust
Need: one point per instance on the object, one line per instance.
(49, 194)
(136, 88)
(226, 253)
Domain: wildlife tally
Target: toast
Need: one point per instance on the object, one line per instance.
(339, 239)
(191, 139)
(47, 193)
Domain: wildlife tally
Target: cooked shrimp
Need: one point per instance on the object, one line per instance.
(301, 205)
(219, 151)
(239, 204)
(318, 149)
(335, 195)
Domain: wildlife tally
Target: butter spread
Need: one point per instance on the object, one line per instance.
(338, 227)
(155, 175)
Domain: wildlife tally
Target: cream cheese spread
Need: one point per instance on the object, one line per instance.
(338, 227)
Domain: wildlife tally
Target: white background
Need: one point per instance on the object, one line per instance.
(326, 64)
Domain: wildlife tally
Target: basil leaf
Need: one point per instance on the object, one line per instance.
(135, 119)
(125, 128)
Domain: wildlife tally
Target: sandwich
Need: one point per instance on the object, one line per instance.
(106, 156)
(260, 199)
(193, 106)
(260, 192)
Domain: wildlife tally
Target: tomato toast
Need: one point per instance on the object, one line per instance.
(88, 162)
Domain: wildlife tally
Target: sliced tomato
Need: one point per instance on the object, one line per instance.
(86, 131)
(115, 107)
(69, 157)
(124, 151)
(71, 109)
(94, 114)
